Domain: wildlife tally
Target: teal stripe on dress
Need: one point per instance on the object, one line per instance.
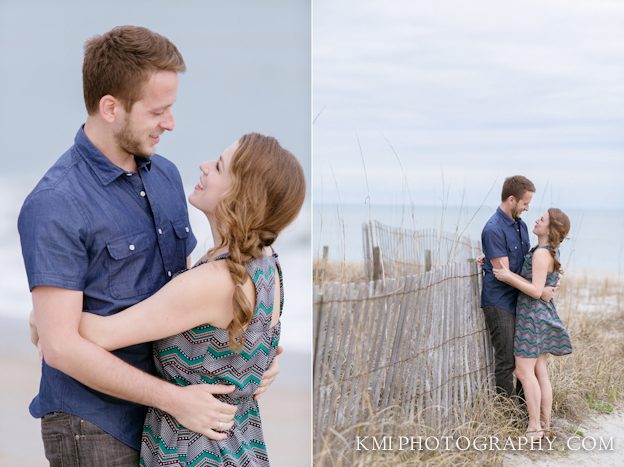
(538, 329)
(203, 356)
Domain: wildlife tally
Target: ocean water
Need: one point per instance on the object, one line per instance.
(595, 243)
(293, 246)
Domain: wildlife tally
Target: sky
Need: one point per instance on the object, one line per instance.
(434, 102)
(248, 69)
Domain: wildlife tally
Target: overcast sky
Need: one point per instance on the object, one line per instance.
(248, 69)
(468, 93)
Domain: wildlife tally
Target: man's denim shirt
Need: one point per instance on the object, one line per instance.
(118, 237)
(503, 236)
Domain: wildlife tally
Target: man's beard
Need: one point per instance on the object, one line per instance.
(515, 213)
(127, 141)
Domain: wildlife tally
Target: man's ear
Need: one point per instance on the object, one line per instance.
(109, 108)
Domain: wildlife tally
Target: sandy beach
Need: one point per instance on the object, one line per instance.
(286, 408)
(608, 428)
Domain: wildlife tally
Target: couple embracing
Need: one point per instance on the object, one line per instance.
(519, 283)
(145, 359)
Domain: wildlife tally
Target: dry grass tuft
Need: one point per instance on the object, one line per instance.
(338, 271)
(589, 380)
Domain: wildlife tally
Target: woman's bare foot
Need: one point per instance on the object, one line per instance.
(548, 433)
(533, 434)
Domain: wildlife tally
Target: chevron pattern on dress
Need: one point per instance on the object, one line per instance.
(538, 327)
(202, 356)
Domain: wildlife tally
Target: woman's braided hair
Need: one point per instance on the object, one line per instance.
(267, 191)
(559, 226)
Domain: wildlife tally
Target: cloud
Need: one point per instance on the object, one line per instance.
(482, 87)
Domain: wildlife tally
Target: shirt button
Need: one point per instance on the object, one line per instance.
(159, 231)
(142, 194)
(169, 273)
(187, 229)
(131, 247)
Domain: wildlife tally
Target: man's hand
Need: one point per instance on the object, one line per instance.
(34, 335)
(551, 292)
(480, 260)
(548, 294)
(269, 375)
(197, 409)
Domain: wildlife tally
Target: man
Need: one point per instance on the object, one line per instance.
(105, 228)
(505, 241)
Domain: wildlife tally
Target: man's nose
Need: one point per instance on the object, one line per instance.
(168, 123)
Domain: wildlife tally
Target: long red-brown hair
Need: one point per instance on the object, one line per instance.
(266, 193)
(559, 226)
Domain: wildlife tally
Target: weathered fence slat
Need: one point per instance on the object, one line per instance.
(416, 340)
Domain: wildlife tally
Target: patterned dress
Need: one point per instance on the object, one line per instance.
(202, 356)
(538, 327)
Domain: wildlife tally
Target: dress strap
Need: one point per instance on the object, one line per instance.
(216, 258)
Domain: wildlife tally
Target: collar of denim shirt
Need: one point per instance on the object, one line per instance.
(103, 168)
(505, 218)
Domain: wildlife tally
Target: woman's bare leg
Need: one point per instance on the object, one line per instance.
(525, 372)
(541, 372)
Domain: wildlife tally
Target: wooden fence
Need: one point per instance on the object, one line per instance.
(405, 251)
(418, 342)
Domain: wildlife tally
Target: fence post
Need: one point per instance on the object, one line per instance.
(317, 310)
(376, 264)
(427, 260)
(316, 371)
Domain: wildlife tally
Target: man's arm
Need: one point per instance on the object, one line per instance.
(535, 287)
(548, 292)
(498, 263)
(57, 314)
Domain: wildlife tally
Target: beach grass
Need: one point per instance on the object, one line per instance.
(587, 382)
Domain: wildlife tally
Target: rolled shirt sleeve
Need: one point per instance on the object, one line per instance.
(52, 234)
(494, 243)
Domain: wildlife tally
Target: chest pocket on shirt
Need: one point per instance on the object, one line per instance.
(514, 250)
(181, 230)
(129, 265)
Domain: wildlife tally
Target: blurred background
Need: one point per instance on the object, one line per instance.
(248, 69)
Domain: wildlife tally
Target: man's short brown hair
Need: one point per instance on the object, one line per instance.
(516, 186)
(120, 61)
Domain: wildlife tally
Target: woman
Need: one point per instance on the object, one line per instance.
(218, 323)
(539, 330)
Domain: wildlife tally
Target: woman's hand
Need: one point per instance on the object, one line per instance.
(503, 273)
(34, 334)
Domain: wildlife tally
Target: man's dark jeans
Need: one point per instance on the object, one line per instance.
(70, 441)
(501, 325)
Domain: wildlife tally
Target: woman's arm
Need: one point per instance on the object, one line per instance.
(202, 295)
(541, 263)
